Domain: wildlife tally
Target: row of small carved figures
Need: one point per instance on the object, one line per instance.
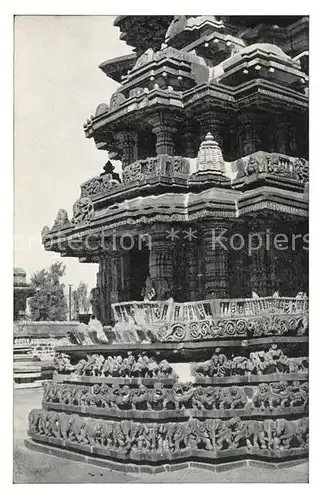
(208, 434)
(115, 366)
(264, 396)
(258, 363)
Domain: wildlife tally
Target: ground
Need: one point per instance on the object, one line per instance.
(35, 467)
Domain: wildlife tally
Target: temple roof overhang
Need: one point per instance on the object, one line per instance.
(141, 213)
(117, 67)
(137, 110)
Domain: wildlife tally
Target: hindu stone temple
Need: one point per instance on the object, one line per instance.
(201, 243)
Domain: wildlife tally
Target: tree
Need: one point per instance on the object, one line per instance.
(49, 302)
(80, 300)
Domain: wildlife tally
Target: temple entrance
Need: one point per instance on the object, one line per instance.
(139, 270)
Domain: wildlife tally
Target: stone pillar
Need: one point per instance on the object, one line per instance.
(124, 276)
(189, 141)
(120, 276)
(128, 144)
(288, 259)
(260, 257)
(216, 262)
(164, 126)
(240, 285)
(103, 291)
(161, 261)
(211, 122)
(192, 275)
(115, 277)
(249, 138)
(280, 135)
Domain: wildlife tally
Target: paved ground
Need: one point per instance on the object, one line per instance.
(34, 467)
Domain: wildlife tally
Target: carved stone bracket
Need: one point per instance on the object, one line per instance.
(83, 211)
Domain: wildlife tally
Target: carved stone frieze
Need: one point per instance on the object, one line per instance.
(241, 327)
(162, 165)
(273, 163)
(131, 436)
(98, 185)
(267, 397)
(115, 366)
(259, 363)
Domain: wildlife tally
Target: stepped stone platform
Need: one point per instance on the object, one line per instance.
(151, 406)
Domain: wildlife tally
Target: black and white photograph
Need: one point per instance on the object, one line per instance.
(161, 248)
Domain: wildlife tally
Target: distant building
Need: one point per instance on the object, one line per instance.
(21, 291)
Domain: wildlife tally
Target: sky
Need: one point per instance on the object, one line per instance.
(57, 86)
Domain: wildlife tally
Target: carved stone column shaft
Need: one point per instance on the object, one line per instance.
(128, 143)
(189, 141)
(192, 277)
(165, 126)
(212, 123)
(249, 137)
(161, 260)
(120, 276)
(165, 139)
(103, 309)
(215, 262)
(261, 250)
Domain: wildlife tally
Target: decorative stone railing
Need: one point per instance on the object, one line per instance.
(207, 319)
(273, 164)
(207, 309)
(98, 185)
(149, 311)
(162, 165)
(161, 168)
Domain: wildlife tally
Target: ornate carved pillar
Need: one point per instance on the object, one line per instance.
(115, 277)
(212, 122)
(124, 276)
(288, 259)
(192, 274)
(161, 260)
(239, 283)
(189, 141)
(216, 261)
(165, 126)
(249, 137)
(281, 133)
(120, 276)
(260, 257)
(103, 309)
(128, 144)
